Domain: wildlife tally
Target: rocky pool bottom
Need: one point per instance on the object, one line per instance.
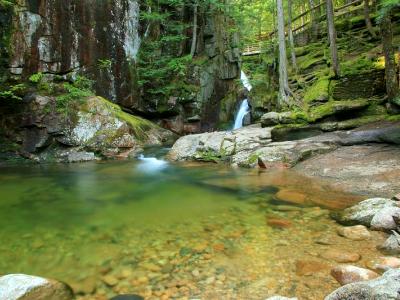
(176, 231)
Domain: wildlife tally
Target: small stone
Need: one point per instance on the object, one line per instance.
(340, 256)
(151, 267)
(384, 263)
(85, 286)
(110, 280)
(143, 280)
(125, 273)
(396, 197)
(309, 267)
(349, 274)
(324, 240)
(355, 233)
(196, 273)
(219, 247)
(285, 208)
(279, 223)
(210, 280)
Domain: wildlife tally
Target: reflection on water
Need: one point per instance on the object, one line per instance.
(167, 231)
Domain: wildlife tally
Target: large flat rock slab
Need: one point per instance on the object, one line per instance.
(372, 169)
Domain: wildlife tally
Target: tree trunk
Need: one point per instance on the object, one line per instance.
(194, 38)
(332, 37)
(368, 22)
(392, 86)
(290, 33)
(283, 75)
(314, 22)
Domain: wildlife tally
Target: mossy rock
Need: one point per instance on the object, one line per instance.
(337, 108)
(318, 92)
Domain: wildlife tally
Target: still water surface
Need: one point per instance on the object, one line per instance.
(170, 231)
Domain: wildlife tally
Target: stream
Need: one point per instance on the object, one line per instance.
(170, 231)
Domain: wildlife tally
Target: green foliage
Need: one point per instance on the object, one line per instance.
(5, 4)
(104, 64)
(356, 66)
(13, 92)
(386, 8)
(36, 78)
(77, 91)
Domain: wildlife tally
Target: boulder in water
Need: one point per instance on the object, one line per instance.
(363, 212)
(386, 287)
(26, 287)
(392, 244)
(385, 219)
(348, 274)
(355, 233)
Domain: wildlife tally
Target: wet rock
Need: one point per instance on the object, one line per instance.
(291, 196)
(386, 287)
(355, 233)
(270, 119)
(274, 118)
(363, 212)
(384, 219)
(20, 286)
(279, 223)
(309, 267)
(324, 240)
(340, 256)
(383, 264)
(392, 244)
(349, 274)
(110, 280)
(396, 197)
(239, 142)
(371, 169)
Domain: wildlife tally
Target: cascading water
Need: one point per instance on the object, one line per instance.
(245, 80)
(243, 111)
(244, 107)
(151, 165)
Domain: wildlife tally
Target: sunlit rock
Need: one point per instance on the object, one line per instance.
(24, 287)
(348, 274)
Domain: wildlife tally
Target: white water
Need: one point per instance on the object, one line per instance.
(245, 80)
(243, 111)
(151, 164)
(244, 107)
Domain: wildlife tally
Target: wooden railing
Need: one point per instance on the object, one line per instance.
(255, 48)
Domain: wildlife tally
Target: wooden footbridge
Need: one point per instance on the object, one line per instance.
(302, 22)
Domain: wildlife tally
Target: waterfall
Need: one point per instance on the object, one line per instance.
(245, 80)
(244, 107)
(243, 111)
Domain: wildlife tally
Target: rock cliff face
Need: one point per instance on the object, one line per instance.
(102, 40)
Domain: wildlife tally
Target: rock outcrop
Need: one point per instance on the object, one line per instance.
(26, 287)
(106, 41)
(88, 129)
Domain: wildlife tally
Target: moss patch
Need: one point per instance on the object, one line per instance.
(318, 91)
